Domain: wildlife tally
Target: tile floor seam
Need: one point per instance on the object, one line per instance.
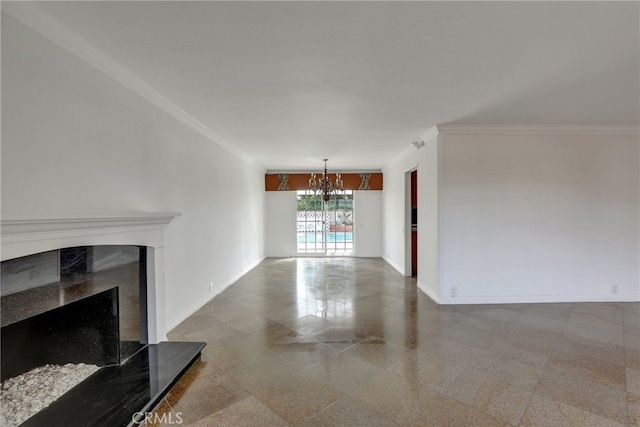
(626, 386)
(470, 367)
(600, 385)
(526, 408)
(628, 415)
(319, 413)
(372, 306)
(560, 335)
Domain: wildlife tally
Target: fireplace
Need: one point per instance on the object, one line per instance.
(46, 296)
(90, 290)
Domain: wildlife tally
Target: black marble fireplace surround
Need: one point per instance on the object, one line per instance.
(88, 305)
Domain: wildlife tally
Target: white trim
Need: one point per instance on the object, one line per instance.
(431, 133)
(481, 129)
(39, 225)
(319, 171)
(400, 156)
(531, 299)
(428, 292)
(394, 265)
(55, 31)
(21, 237)
(440, 197)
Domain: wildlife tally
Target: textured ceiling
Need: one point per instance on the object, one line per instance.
(290, 83)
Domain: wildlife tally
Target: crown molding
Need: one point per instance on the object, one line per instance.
(58, 33)
(406, 152)
(465, 129)
(319, 170)
(431, 133)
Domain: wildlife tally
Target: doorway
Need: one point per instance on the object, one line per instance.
(414, 223)
(324, 228)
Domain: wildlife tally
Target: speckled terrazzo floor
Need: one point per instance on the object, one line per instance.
(350, 342)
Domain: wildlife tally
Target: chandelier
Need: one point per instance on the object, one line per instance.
(324, 185)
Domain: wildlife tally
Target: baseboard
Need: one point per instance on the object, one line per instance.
(394, 265)
(524, 299)
(428, 292)
(197, 306)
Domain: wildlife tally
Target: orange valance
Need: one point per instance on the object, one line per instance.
(300, 181)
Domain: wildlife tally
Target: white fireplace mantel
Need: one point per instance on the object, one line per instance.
(21, 236)
(26, 236)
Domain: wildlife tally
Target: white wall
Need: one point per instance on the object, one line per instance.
(394, 201)
(280, 224)
(520, 217)
(429, 178)
(530, 217)
(396, 219)
(368, 223)
(75, 141)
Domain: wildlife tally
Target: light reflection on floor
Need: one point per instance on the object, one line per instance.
(349, 341)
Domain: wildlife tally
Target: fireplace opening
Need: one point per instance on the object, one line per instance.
(38, 283)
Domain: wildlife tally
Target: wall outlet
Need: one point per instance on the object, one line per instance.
(211, 287)
(614, 289)
(453, 291)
